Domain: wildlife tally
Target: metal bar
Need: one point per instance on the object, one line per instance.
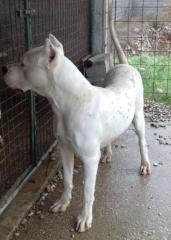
(106, 6)
(92, 16)
(30, 95)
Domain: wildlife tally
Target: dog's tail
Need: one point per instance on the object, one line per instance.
(121, 55)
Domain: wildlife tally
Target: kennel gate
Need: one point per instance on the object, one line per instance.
(26, 121)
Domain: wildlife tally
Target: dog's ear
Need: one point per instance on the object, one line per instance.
(56, 43)
(52, 54)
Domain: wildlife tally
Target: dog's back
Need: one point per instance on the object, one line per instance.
(122, 75)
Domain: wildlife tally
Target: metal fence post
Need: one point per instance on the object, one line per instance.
(97, 26)
(28, 37)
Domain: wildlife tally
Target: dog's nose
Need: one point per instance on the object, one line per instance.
(4, 70)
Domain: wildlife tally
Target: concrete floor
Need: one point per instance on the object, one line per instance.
(127, 206)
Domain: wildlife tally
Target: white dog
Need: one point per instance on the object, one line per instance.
(89, 117)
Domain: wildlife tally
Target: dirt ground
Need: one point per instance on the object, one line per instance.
(127, 206)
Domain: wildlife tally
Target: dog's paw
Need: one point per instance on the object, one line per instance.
(83, 223)
(59, 206)
(145, 169)
(107, 158)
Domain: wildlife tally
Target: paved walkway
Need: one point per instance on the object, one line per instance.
(127, 206)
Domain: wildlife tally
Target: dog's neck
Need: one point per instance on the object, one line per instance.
(68, 86)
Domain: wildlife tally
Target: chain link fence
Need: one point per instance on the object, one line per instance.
(26, 119)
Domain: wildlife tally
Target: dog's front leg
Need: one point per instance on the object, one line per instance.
(84, 220)
(67, 157)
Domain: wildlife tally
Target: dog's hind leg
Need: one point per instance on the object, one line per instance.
(107, 154)
(139, 124)
(84, 220)
(67, 157)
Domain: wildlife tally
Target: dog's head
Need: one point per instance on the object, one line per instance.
(36, 68)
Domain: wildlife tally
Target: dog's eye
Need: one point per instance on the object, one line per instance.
(22, 65)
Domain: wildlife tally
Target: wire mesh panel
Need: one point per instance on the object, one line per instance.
(144, 30)
(44, 123)
(14, 123)
(69, 21)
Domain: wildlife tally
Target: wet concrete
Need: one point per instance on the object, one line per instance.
(127, 206)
